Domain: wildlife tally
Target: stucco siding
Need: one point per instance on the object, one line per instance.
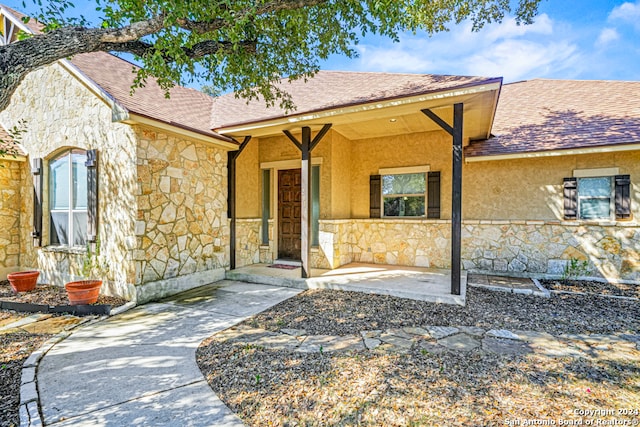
(249, 181)
(416, 149)
(532, 189)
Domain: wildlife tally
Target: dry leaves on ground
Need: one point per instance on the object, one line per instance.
(49, 295)
(15, 348)
(426, 388)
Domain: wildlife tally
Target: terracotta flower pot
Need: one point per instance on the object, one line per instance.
(23, 281)
(83, 291)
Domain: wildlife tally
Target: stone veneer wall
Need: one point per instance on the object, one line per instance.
(519, 248)
(182, 231)
(60, 113)
(248, 240)
(11, 176)
(534, 248)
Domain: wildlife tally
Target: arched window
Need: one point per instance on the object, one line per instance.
(68, 198)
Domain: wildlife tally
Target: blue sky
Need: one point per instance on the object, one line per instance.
(570, 39)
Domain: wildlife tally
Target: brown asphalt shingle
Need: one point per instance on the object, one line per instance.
(543, 115)
(186, 108)
(8, 145)
(334, 89)
(35, 26)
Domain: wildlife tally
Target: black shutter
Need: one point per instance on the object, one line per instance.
(623, 196)
(433, 195)
(92, 195)
(570, 198)
(375, 196)
(36, 172)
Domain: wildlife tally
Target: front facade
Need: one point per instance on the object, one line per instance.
(147, 180)
(513, 209)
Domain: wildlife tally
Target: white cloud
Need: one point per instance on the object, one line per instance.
(522, 59)
(607, 36)
(513, 51)
(391, 59)
(626, 12)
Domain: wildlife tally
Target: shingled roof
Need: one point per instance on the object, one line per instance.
(33, 25)
(186, 108)
(543, 115)
(8, 145)
(335, 89)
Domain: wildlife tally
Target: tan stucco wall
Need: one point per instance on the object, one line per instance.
(417, 149)
(60, 112)
(249, 179)
(11, 176)
(181, 227)
(531, 189)
(280, 148)
(340, 177)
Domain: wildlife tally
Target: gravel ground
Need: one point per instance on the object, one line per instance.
(343, 313)
(48, 295)
(427, 387)
(15, 348)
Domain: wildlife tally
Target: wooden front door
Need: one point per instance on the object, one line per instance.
(289, 214)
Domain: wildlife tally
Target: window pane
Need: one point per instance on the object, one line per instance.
(59, 183)
(404, 206)
(594, 187)
(266, 205)
(407, 183)
(78, 159)
(79, 228)
(595, 208)
(59, 228)
(315, 205)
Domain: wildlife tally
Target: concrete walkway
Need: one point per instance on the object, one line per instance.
(139, 368)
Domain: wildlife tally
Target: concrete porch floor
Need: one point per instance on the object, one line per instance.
(423, 284)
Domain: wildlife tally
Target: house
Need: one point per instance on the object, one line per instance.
(421, 170)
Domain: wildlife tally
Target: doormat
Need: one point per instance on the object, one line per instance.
(284, 266)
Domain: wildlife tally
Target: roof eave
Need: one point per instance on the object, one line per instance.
(634, 146)
(468, 89)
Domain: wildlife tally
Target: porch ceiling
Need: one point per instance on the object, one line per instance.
(389, 118)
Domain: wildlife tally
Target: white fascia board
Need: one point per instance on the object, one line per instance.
(327, 114)
(16, 21)
(555, 153)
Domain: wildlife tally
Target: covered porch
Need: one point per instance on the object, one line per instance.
(359, 182)
(418, 283)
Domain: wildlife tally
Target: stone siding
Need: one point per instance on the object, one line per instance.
(527, 248)
(11, 176)
(181, 227)
(61, 113)
(248, 240)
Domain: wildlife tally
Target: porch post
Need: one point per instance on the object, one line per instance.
(231, 199)
(456, 199)
(456, 189)
(305, 198)
(306, 146)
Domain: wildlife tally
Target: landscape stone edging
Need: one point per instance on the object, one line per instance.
(29, 412)
(461, 338)
(622, 297)
(85, 309)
